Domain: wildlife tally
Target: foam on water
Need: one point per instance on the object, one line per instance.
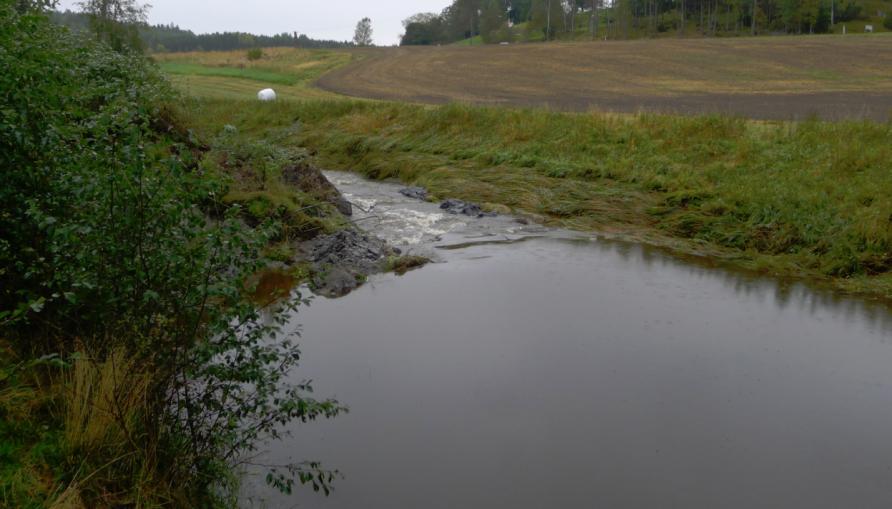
(410, 223)
(409, 227)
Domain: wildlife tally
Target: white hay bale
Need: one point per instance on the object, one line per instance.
(267, 94)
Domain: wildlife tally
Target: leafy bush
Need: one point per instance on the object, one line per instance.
(255, 54)
(114, 242)
(888, 21)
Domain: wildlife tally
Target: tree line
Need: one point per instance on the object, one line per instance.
(510, 20)
(164, 38)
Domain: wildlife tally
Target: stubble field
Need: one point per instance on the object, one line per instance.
(782, 78)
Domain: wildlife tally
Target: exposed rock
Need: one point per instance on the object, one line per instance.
(309, 179)
(341, 261)
(466, 208)
(336, 282)
(419, 193)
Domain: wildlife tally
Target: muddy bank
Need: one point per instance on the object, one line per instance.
(309, 179)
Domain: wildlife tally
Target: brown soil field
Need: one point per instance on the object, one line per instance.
(785, 78)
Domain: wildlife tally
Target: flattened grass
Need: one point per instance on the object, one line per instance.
(810, 199)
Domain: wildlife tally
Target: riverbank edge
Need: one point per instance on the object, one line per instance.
(698, 253)
(357, 139)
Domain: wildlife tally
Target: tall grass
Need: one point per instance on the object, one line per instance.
(105, 405)
(104, 402)
(811, 198)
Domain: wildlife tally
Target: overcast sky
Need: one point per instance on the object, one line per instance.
(319, 19)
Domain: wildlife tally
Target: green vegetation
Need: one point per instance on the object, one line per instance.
(138, 228)
(402, 264)
(761, 195)
(495, 21)
(135, 366)
(254, 54)
(291, 70)
(229, 72)
(808, 199)
(164, 38)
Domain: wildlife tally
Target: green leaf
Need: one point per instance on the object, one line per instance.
(37, 305)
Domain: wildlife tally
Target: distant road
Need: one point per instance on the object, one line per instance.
(831, 77)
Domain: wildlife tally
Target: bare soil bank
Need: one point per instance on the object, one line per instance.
(782, 78)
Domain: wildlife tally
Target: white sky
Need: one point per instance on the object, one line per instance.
(326, 19)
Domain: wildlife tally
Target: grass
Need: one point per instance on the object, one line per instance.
(402, 264)
(477, 40)
(765, 196)
(761, 195)
(70, 430)
(232, 75)
(181, 68)
(255, 170)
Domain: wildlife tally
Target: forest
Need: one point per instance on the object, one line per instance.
(164, 38)
(495, 21)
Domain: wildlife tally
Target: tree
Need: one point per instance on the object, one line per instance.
(519, 12)
(463, 19)
(421, 17)
(493, 21)
(363, 34)
(543, 16)
(423, 29)
(23, 6)
(808, 13)
(593, 18)
(791, 15)
(116, 22)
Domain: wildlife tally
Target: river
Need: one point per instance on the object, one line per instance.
(533, 368)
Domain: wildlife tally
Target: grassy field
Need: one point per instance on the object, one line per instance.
(230, 75)
(804, 199)
(766, 77)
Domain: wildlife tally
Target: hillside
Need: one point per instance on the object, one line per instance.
(764, 78)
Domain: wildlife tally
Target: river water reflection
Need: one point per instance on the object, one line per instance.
(591, 373)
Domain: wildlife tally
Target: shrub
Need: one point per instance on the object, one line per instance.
(255, 54)
(114, 245)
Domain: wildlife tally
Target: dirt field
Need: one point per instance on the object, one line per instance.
(785, 78)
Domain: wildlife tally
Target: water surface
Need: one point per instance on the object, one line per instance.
(567, 371)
